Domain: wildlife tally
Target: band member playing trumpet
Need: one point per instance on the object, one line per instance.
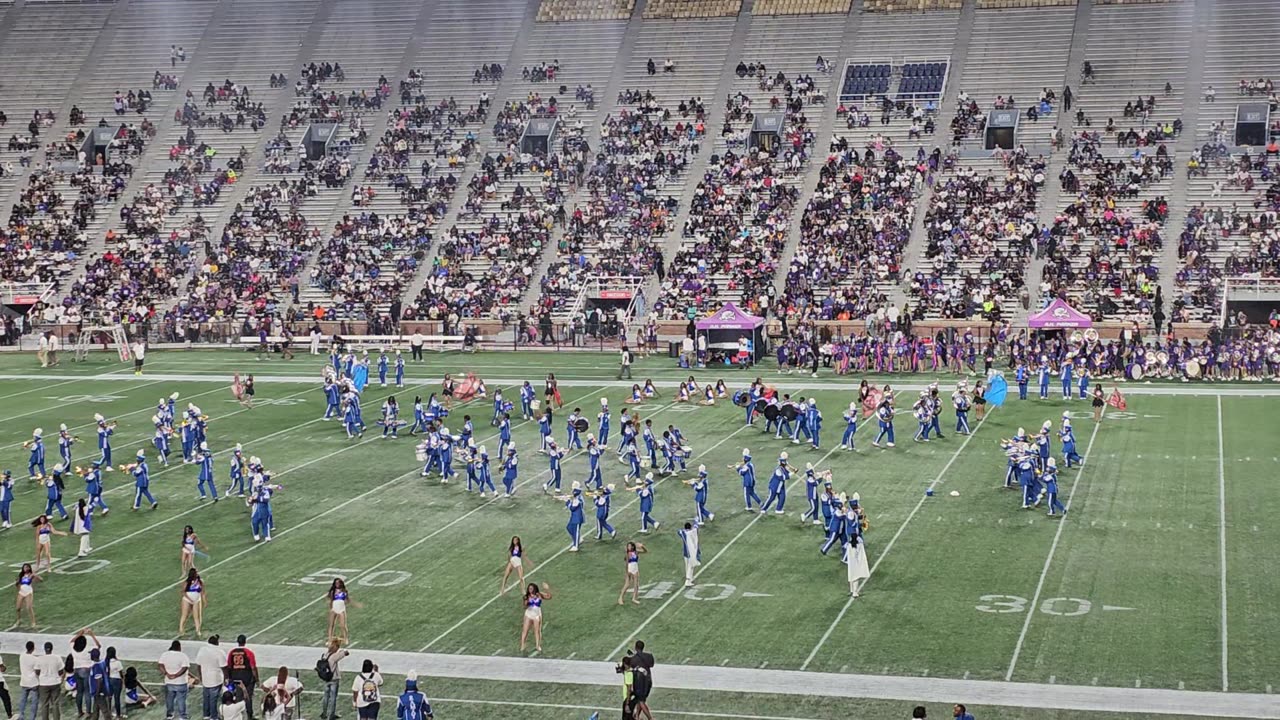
(573, 502)
(573, 441)
(811, 481)
(884, 414)
(105, 431)
(35, 464)
(778, 485)
(1068, 437)
(141, 481)
(93, 485)
(960, 401)
(65, 441)
(699, 485)
(748, 472)
(645, 492)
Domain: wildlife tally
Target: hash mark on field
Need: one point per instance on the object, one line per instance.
(685, 661)
(1094, 681)
(145, 634)
(764, 664)
(388, 645)
(1182, 685)
(1137, 683)
(843, 668)
(1255, 528)
(925, 673)
(494, 653)
(464, 647)
(726, 662)
(284, 640)
(966, 674)
(1053, 679)
(1268, 689)
(571, 655)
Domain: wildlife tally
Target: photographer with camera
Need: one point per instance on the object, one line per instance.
(639, 664)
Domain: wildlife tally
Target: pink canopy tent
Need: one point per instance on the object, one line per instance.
(1059, 315)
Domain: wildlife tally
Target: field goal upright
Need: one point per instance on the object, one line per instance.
(108, 334)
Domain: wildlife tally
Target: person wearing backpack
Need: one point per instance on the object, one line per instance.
(366, 692)
(327, 670)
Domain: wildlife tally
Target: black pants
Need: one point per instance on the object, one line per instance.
(417, 351)
(4, 698)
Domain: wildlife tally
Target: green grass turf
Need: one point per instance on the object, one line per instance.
(424, 561)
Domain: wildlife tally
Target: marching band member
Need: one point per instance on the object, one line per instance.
(238, 467)
(632, 457)
(603, 419)
(1065, 374)
(447, 472)
(594, 475)
(36, 461)
(1043, 445)
(1068, 437)
(515, 561)
(65, 441)
(631, 574)
(645, 493)
(650, 443)
(850, 426)
(573, 442)
(260, 518)
(484, 473)
(778, 485)
(544, 430)
(141, 482)
(960, 401)
(351, 416)
(1084, 381)
(468, 430)
(189, 442)
(813, 422)
(6, 500)
(669, 453)
(205, 459)
(1022, 375)
(160, 441)
(497, 407)
(837, 528)
(472, 456)
(811, 494)
(504, 434)
(573, 503)
(1026, 469)
(82, 525)
(331, 397)
(699, 485)
(526, 401)
(360, 372)
(935, 411)
(826, 500)
(399, 370)
(923, 417)
(93, 486)
(383, 365)
(105, 431)
(510, 470)
(554, 457)
(691, 547)
(884, 414)
(1050, 480)
(390, 417)
(53, 493)
(603, 499)
(782, 421)
(1044, 377)
(748, 472)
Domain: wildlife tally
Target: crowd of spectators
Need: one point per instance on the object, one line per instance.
(644, 151)
(233, 106)
(853, 232)
(1103, 245)
(369, 260)
(487, 259)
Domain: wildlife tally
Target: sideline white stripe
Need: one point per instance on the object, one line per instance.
(1053, 548)
(1222, 541)
(439, 530)
(771, 681)
(759, 514)
(559, 553)
(1168, 389)
(251, 548)
(901, 528)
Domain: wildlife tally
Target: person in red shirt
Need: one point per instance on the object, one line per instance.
(242, 667)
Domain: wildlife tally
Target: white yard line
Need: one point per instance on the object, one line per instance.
(893, 540)
(559, 553)
(53, 409)
(759, 514)
(770, 681)
(38, 388)
(1053, 548)
(1222, 541)
(434, 533)
(124, 415)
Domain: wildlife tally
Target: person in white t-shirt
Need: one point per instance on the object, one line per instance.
(211, 660)
(176, 668)
(29, 682)
(366, 691)
(42, 349)
(285, 689)
(49, 674)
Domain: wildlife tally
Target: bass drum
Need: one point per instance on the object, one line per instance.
(790, 413)
(581, 425)
(771, 412)
(1193, 368)
(1136, 371)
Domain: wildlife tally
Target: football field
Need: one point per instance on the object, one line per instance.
(1163, 575)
